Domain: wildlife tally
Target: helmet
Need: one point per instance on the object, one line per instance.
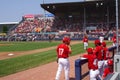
(104, 44)
(66, 40)
(110, 62)
(97, 42)
(114, 35)
(90, 50)
(85, 36)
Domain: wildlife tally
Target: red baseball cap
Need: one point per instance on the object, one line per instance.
(90, 50)
(97, 42)
(104, 44)
(66, 39)
(110, 62)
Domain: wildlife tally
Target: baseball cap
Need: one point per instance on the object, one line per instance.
(110, 62)
(104, 44)
(66, 39)
(97, 42)
(90, 50)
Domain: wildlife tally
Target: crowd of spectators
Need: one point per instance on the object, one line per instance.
(42, 28)
(33, 26)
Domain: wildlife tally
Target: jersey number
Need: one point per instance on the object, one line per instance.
(95, 62)
(61, 50)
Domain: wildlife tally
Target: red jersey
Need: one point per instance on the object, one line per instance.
(105, 53)
(85, 39)
(114, 40)
(63, 51)
(92, 61)
(98, 51)
(106, 72)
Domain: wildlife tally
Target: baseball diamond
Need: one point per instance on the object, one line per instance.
(76, 40)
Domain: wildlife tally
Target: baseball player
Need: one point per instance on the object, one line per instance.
(114, 40)
(109, 69)
(92, 64)
(101, 38)
(85, 42)
(63, 51)
(106, 54)
(98, 51)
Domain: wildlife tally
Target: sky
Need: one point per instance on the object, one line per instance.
(13, 10)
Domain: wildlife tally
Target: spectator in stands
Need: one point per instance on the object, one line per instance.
(56, 24)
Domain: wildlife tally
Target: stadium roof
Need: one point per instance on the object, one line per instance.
(76, 6)
(4, 23)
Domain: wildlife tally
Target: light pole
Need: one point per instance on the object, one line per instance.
(84, 27)
(84, 23)
(44, 18)
(117, 55)
(117, 24)
(43, 1)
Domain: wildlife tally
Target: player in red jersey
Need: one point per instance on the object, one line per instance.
(85, 42)
(106, 54)
(92, 64)
(63, 51)
(114, 40)
(109, 69)
(98, 51)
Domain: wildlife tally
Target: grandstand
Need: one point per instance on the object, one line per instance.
(100, 12)
(96, 17)
(90, 16)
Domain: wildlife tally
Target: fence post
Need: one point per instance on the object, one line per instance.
(78, 69)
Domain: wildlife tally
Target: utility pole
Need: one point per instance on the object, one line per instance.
(117, 55)
(117, 25)
(44, 18)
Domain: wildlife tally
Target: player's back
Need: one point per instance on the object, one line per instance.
(98, 51)
(63, 51)
(92, 61)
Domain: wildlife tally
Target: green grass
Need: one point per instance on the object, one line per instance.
(17, 64)
(13, 65)
(25, 46)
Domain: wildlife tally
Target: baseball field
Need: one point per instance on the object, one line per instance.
(20, 56)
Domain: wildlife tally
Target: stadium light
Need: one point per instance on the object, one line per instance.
(101, 3)
(97, 4)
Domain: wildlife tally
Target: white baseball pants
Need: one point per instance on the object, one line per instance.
(94, 74)
(63, 63)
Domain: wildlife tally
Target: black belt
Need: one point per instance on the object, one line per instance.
(63, 57)
(94, 69)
